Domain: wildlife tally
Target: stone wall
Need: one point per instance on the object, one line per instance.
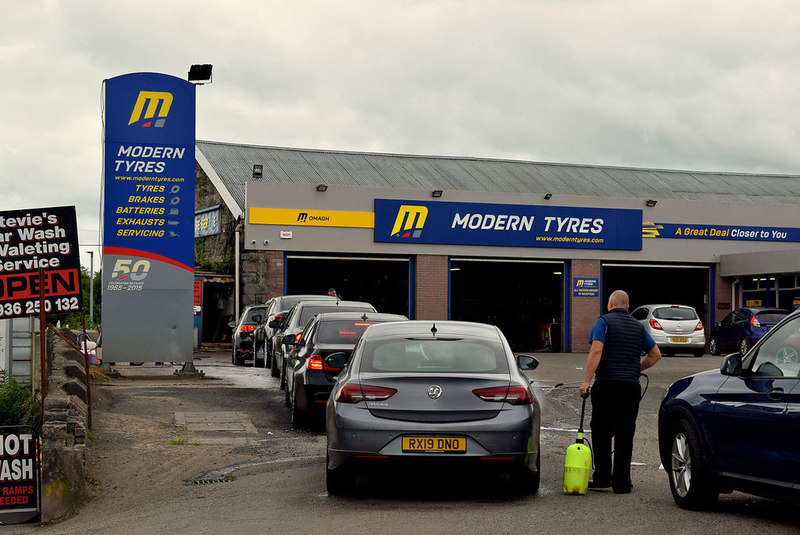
(65, 424)
(214, 254)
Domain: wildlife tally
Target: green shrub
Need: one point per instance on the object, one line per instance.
(17, 405)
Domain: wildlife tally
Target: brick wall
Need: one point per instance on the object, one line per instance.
(431, 288)
(722, 294)
(584, 310)
(274, 273)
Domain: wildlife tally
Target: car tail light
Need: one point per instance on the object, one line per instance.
(298, 337)
(247, 328)
(513, 395)
(316, 362)
(655, 325)
(699, 326)
(754, 322)
(352, 393)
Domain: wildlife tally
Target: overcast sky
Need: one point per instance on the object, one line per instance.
(665, 84)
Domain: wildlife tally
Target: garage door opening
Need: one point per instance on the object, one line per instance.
(523, 298)
(384, 282)
(649, 284)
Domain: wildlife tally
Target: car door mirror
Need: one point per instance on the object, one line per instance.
(274, 324)
(731, 365)
(336, 361)
(527, 362)
(288, 340)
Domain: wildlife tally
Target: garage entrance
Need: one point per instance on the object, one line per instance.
(654, 284)
(384, 282)
(523, 298)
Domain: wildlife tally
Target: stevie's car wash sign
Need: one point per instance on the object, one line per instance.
(19, 475)
(30, 240)
(516, 225)
(148, 220)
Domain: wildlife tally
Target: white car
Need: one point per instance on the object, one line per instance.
(675, 328)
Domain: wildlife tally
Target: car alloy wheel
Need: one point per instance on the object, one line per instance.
(713, 347)
(787, 355)
(744, 346)
(681, 467)
(692, 486)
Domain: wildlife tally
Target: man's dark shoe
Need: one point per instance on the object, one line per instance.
(599, 484)
(623, 490)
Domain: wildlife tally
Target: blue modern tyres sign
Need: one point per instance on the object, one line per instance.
(148, 221)
(515, 225)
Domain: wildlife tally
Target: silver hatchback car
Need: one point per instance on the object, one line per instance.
(423, 393)
(675, 328)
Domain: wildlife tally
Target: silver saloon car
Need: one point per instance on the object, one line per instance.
(420, 391)
(675, 328)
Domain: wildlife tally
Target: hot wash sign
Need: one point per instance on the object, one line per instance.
(514, 225)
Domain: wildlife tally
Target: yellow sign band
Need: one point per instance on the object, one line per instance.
(311, 218)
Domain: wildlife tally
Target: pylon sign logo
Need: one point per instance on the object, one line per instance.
(157, 101)
(410, 221)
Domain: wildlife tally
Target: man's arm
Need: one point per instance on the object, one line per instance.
(652, 356)
(592, 362)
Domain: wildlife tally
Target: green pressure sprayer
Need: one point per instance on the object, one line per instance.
(578, 461)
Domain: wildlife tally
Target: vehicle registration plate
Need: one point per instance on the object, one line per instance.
(435, 444)
(679, 340)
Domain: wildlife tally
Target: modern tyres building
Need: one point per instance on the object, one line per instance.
(535, 248)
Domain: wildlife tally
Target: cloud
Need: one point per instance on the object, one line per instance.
(665, 84)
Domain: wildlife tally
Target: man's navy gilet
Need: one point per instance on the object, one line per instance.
(622, 349)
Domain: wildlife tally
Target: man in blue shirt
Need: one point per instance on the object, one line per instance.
(615, 362)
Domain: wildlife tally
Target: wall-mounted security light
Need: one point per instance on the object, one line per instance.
(258, 170)
(436, 193)
(650, 202)
(322, 187)
(548, 196)
(200, 74)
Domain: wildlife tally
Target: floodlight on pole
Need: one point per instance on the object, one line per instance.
(200, 74)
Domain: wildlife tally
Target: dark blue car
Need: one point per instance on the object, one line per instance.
(737, 428)
(742, 328)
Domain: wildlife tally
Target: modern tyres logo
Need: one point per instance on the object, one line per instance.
(156, 101)
(409, 222)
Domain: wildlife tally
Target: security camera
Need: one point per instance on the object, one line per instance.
(266, 242)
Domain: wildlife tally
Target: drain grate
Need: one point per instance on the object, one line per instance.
(209, 480)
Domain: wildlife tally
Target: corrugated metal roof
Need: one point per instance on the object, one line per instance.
(233, 163)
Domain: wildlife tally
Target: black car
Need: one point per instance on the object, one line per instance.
(292, 327)
(277, 309)
(736, 428)
(742, 328)
(242, 338)
(310, 380)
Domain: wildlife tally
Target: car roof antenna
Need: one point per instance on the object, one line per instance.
(364, 316)
(433, 330)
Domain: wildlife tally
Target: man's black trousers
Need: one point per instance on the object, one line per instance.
(615, 405)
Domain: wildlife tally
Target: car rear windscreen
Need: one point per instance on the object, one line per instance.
(674, 314)
(771, 316)
(434, 356)
(340, 331)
